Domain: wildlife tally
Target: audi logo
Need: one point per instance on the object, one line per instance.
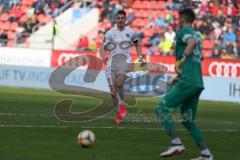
(225, 69)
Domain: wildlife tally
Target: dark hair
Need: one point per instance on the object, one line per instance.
(188, 14)
(122, 12)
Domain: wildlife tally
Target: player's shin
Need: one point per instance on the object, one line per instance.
(168, 122)
(122, 104)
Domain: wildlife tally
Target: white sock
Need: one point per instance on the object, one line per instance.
(206, 152)
(121, 102)
(176, 141)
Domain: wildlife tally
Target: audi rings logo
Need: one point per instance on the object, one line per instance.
(225, 69)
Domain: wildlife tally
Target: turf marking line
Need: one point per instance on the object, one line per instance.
(108, 127)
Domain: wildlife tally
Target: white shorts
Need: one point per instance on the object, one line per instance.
(118, 64)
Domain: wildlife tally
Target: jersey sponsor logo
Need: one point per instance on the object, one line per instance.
(225, 69)
(111, 46)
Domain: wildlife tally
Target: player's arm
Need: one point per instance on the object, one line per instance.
(102, 47)
(191, 43)
(103, 53)
(136, 42)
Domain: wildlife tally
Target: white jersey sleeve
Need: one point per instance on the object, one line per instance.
(107, 38)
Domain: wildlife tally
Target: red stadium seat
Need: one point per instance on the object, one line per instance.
(13, 26)
(4, 17)
(10, 43)
(145, 40)
(27, 2)
(40, 18)
(23, 18)
(207, 44)
(6, 26)
(11, 35)
(1, 25)
(24, 8)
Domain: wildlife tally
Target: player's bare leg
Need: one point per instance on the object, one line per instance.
(113, 90)
(120, 88)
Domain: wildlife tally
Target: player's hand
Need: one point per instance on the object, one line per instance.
(178, 66)
(113, 90)
(142, 62)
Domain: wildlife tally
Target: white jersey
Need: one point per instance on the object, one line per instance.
(119, 42)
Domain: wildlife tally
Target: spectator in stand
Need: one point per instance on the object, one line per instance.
(224, 54)
(235, 51)
(229, 10)
(93, 46)
(174, 5)
(75, 13)
(170, 34)
(16, 13)
(38, 6)
(229, 48)
(236, 19)
(30, 12)
(229, 36)
(220, 17)
(216, 53)
(29, 24)
(151, 20)
(213, 8)
(25, 29)
(7, 4)
(217, 30)
(154, 39)
(204, 27)
(238, 47)
(204, 8)
(165, 46)
(83, 43)
(160, 21)
(3, 38)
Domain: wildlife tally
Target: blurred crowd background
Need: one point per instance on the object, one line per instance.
(156, 21)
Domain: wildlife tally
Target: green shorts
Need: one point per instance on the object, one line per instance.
(182, 96)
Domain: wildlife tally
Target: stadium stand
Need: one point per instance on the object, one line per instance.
(19, 17)
(218, 22)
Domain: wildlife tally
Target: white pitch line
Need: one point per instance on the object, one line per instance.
(109, 127)
(105, 117)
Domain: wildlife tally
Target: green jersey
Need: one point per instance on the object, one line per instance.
(191, 67)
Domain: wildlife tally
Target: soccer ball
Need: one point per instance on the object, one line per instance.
(86, 138)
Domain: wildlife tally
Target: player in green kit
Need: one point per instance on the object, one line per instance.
(186, 90)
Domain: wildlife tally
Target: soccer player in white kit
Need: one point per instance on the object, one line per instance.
(119, 41)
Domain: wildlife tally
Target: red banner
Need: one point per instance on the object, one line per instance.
(60, 57)
(210, 67)
(221, 68)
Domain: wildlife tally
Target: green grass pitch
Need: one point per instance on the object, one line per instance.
(30, 131)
